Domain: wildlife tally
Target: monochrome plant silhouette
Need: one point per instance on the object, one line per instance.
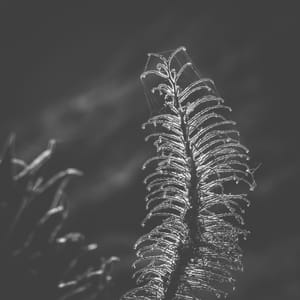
(197, 184)
(193, 252)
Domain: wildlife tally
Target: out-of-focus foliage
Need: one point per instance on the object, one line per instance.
(38, 259)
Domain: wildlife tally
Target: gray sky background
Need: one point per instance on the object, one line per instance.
(70, 70)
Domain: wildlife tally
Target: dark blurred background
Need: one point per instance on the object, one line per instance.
(70, 70)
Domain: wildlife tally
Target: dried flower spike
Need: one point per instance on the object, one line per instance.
(194, 251)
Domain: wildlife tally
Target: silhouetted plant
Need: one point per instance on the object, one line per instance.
(37, 261)
(193, 253)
